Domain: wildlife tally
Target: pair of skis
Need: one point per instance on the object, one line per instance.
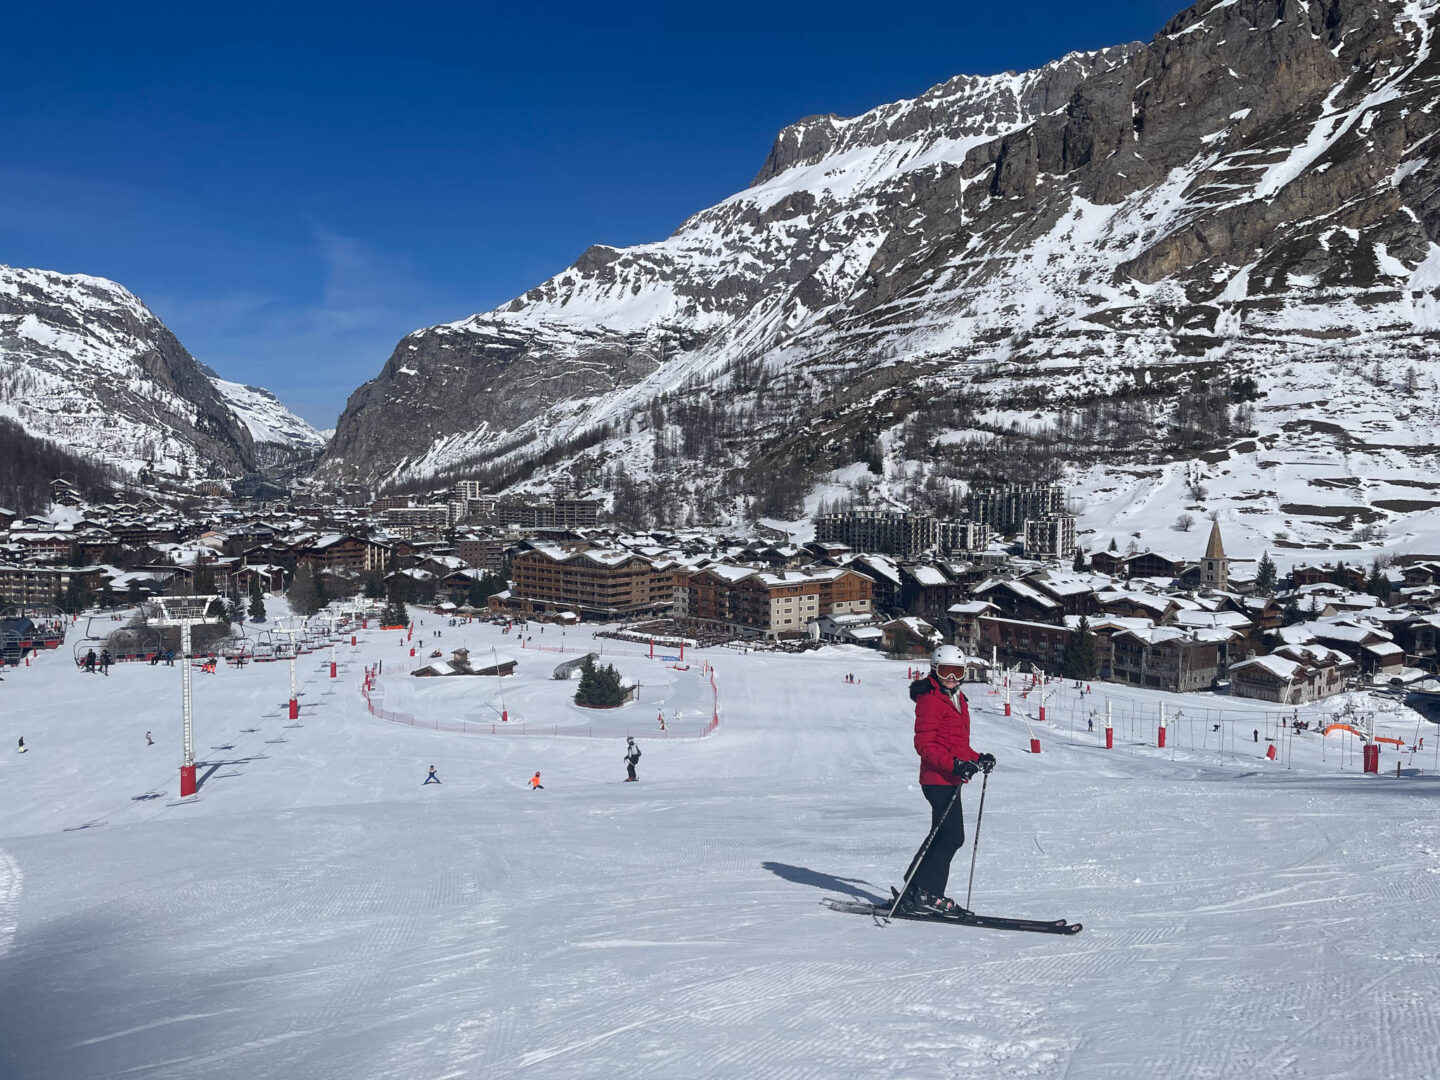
(885, 912)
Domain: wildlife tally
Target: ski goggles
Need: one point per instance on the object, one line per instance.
(949, 671)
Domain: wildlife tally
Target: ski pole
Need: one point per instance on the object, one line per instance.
(975, 844)
(920, 858)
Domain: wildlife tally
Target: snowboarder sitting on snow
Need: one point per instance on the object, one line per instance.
(947, 760)
(632, 758)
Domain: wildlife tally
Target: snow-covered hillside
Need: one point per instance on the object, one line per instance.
(1217, 250)
(84, 363)
(319, 913)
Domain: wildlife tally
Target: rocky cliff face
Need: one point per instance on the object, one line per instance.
(1249, 196)
(85, 364)
(285, 444)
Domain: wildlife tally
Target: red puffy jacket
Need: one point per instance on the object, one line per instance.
(942, 731)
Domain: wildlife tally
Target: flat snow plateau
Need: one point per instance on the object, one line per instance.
(319, 913)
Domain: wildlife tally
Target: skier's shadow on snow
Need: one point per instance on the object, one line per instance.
(803, 876)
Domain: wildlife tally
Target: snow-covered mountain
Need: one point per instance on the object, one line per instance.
(1206, 264)
(84, 363)
(282, 439)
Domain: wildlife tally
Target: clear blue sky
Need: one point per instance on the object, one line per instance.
(293, 187)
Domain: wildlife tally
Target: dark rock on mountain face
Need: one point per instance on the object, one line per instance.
(85, 364)
(1252, 182)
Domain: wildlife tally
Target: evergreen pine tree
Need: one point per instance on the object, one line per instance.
(1378, 584)
(1290, 614)
(302, 594)
(395, 613)
(1265, 575)
(599, 687)
(257, 600)
(374, 585)
(237, 609)
(203, 581)
(1078, 660)
(1079, 563)
(217, 609)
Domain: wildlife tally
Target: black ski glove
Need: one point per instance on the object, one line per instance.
(987, 762)
(964, 770)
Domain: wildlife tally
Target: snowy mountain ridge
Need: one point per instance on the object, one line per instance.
(84, 363)
(1094, 262)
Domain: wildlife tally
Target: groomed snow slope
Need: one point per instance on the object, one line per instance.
(318, 913)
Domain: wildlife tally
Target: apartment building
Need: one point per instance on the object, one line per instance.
(595, 582)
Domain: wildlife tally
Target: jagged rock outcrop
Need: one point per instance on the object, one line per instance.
(84, 363)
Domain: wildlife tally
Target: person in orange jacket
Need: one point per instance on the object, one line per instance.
(535, 784)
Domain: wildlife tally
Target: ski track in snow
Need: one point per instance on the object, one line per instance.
(321, 915)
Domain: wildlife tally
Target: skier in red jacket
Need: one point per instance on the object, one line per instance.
(947, 760)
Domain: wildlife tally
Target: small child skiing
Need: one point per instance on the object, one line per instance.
(632, 758)
(535, 784)
(431, 778)
(148, 740)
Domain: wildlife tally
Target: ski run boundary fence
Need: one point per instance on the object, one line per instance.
(370, 690)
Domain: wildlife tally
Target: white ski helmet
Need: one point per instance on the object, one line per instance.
(948, 655)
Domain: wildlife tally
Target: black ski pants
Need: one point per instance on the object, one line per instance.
(630, 769)
(934, 871)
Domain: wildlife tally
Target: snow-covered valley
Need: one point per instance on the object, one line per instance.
(317, 912)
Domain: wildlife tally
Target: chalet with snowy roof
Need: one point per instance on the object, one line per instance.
(885, 574)
(341, 551)
(64, 493)
(1292, 675)
(7, 518)
(1414, 575)
(1170, 658)
(1345, 576)
(1383, 660)
(927, 591)
(962, 623)
(1019, 600)
(270, 576)
(493, 665)
(1074, 592)
(851, 629)
(1031, 646)
(910, 635)
(1134, 604)
(1348, 637)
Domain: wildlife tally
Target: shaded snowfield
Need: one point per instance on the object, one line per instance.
(317, 913)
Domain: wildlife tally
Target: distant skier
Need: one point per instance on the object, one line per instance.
(947, 760)
(535, 784)
(431, 778)
(632, 758)
(1257, 735)
(22, 748)
(105, 662)
(148, 740)
(90, 662)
